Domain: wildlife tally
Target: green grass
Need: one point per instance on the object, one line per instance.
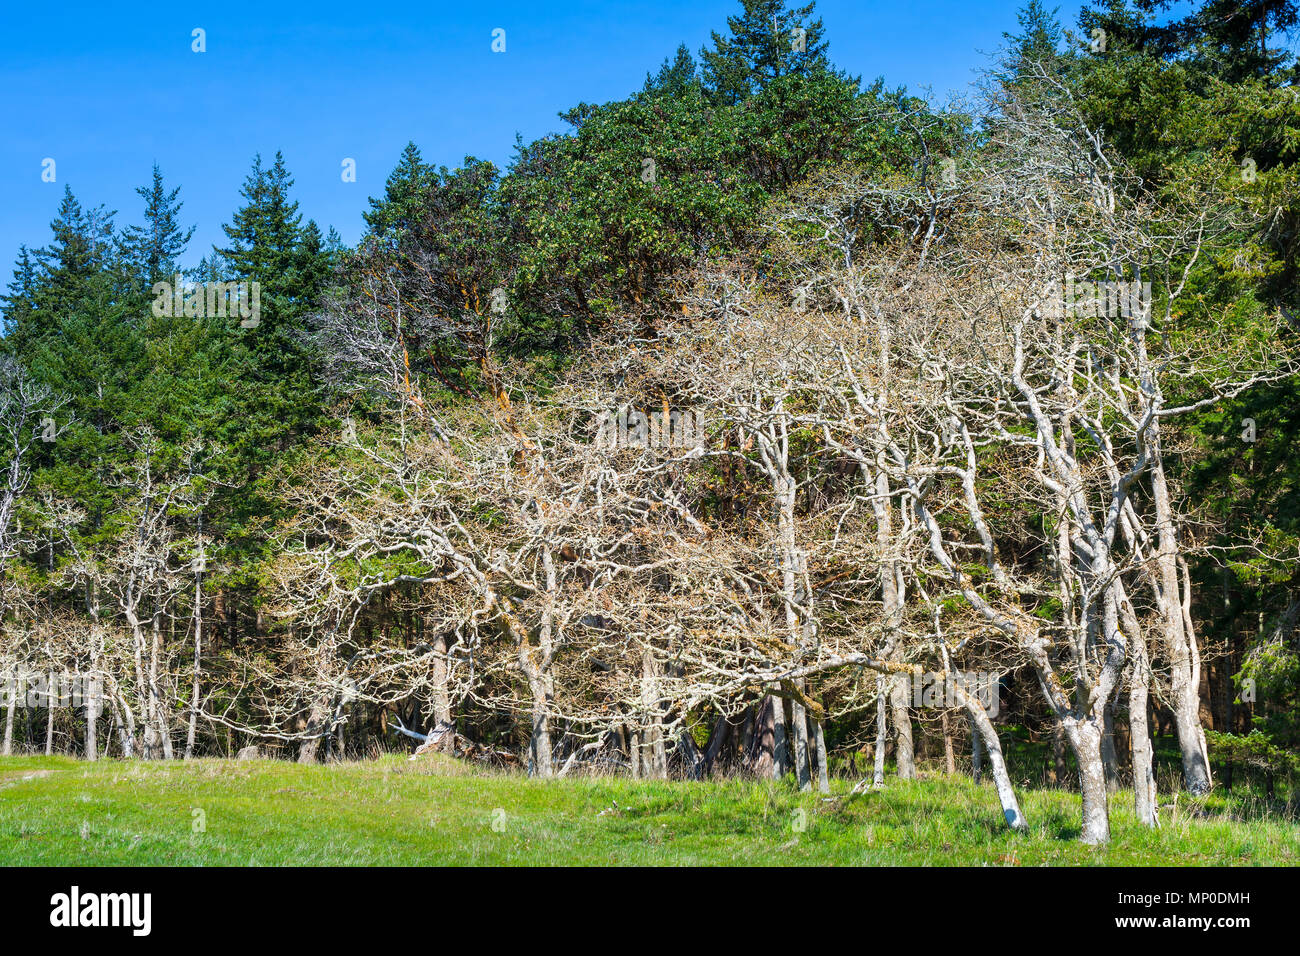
(392, 811)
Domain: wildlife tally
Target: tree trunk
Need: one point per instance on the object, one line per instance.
(539, 745)
(440, 699)
(94, 695)
(718, 740)
(633, 752)
(141, 685)
(51, 704)
(802, 759)
(124, 721)
(1144, 776)
(1191, 736)
(192, 727)
(893, 592)
(158, 704)
(310, 746)
(882, 732)
(1140, 749)
(1109, 756)
(94, 702)
(654, 758)
(7, 748)
(823, 771)
(904, 754)
(536, 667)
(789, 564)
(1060, 769)
(1085, 740)
(1179, 636)
(769, 739)
(949, 760)
(985, 732)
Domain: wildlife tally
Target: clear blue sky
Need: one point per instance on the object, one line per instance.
(107, 89)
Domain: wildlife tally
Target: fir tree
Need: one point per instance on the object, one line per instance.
(766, 41)
(675, 76)
(152, 250)
(405, 191)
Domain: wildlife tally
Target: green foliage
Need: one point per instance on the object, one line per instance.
(766, 41)
(1254, 749)
(153, 250)
(645, 186)
(1209, 93)
(440, 248)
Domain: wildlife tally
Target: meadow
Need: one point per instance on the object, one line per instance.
(436, 811)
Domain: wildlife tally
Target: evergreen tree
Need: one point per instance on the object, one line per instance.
(265, 237)
(276, 400)
(405, 191)
(21, 300)
(1233, 38)
(77, 271)
(1039, 37)
(766, 41)
(315, 265)
(675, 76)
(82, 246)
(153, 250)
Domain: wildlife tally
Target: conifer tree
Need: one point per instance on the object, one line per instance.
(153, 250)
(400, 209)
(767, 41)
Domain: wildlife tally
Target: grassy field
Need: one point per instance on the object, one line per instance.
(435, 811)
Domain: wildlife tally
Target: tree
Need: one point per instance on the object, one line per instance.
(290, 267)
(675, 76)
(154, 249)
(767, 40)
(402, 207)
(1039, 37)
(21, 300)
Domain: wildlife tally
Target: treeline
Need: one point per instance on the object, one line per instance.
(703, 438)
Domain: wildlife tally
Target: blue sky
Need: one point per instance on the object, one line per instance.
(107, 89)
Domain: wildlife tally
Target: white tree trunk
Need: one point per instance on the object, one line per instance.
(904, 753)
(6, 749)
(882, 732)
(51, 704)
(1084, 737)
(823, 771)
(197, 673)
(987, 734)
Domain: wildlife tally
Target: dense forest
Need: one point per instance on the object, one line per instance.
(763, 422)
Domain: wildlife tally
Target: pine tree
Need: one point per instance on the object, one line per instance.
(676, 76)
(76, 271)
(766, 42)
(1040, 34)
(266, 234)
(405, 190)
(315, 264)
(21, 300)
(1232, 40)
(83, 241)
(1240, 39)
(152, 250)
(276, 401)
